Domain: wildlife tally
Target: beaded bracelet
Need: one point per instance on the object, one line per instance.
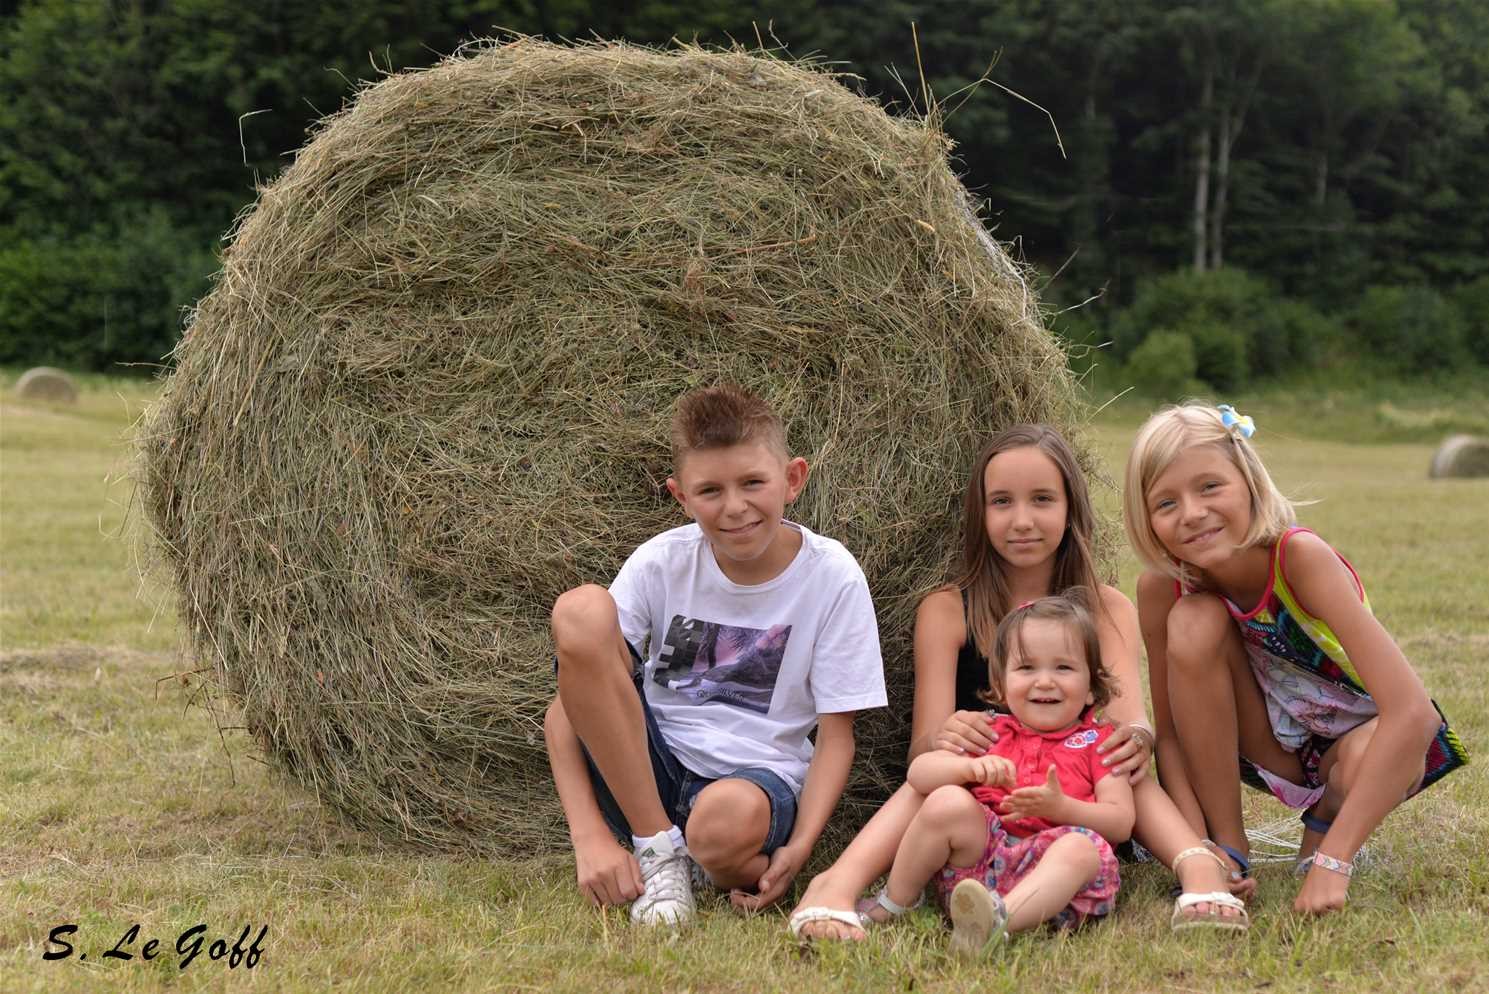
(1330, 863)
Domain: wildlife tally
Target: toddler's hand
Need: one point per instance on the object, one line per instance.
(1043, 801)
(991, 771)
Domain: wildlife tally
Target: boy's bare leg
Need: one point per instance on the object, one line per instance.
(951, 827)
(866, 859)
(600, 702)
(1070, 863)
(608, 873)
(726, 831)
(1219, 712)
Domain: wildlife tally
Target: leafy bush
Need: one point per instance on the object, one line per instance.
(1239, 326)
(1289, 334)
(1472, 302)
(1179, 299)
(1163, 366)
(1219, 354)
(1410, 328)
(111, 295)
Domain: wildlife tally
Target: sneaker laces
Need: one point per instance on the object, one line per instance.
(665, 877)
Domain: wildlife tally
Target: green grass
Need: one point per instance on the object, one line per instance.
(1348, 403)
(122, 803)
(69, 570)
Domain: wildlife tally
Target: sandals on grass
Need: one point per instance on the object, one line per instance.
(859, 918)
(1186, 914)
(803, 917)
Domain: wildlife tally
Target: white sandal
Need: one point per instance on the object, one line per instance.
(803, 917)
(1182, 919)
(883, 900)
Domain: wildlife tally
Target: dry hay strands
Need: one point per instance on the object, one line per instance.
(430, 391)
(46, 385)
(1460, 456)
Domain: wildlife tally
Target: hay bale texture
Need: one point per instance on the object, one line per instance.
(48, 385)
(1460, 456)
(430, 391)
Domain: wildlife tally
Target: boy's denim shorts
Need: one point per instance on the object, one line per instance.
(679, 786)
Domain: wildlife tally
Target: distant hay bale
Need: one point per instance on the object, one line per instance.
(1460, 455)
(48, 385)
(430, 391)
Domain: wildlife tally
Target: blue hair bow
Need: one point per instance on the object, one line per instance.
(1236, 421)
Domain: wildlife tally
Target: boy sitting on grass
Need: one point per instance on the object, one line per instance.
(755, 631)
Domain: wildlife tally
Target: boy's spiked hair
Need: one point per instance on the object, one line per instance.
(723, 415)
(1159, 442)
(981, 578)
(1072, 608)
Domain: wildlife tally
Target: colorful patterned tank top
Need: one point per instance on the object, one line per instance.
(1310, 686)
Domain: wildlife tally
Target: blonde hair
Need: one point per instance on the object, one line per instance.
(1160, 440)
(1072, 609)
(980, 576)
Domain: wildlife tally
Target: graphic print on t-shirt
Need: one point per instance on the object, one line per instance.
(707, 661)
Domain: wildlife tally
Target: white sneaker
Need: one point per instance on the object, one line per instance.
(667, 895)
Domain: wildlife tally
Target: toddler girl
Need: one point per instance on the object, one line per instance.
(1021, 834)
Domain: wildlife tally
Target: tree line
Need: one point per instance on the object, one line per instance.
(1237, 187)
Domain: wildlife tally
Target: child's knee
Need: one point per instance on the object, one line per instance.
(728, 825)
(1079, 851)
(1198, 626)
(948, 806)
(584, 618)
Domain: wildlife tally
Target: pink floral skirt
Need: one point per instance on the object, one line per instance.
(1007, 860)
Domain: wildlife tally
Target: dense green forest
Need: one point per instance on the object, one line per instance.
(1239, 187)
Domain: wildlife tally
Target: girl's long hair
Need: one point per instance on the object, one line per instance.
(981, 578)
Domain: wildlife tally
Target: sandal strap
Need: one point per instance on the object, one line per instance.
(1243, 865)
(1314, 823)
(806, 916)
(1198, 851)
(1223, 898)
(894, 908)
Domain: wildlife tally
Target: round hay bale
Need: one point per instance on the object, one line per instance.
(1460, 455)
(48, 385)
(431, 388)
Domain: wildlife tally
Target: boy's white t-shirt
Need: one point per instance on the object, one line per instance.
(737, 674)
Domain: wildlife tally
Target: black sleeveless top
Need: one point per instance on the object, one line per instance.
(971, 670)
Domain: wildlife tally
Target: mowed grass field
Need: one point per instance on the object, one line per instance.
(122, 803)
